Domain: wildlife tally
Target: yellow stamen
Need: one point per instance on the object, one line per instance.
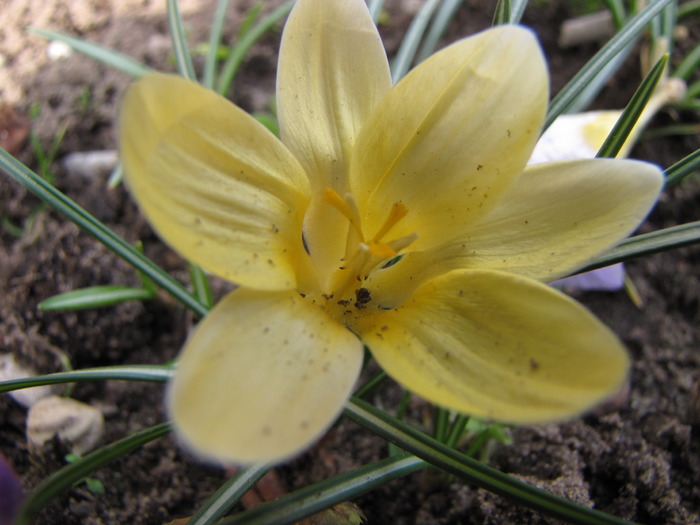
(347, 206)
(398, 212)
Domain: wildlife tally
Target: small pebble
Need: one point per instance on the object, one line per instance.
(89, 164)
(58, 50)
(10, 369)
(77, 425)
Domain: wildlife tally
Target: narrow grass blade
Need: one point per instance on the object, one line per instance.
(319, 496)
(470, 470)
(183, 59)
(90, 224)
(441, 20)
(228, 495)
(689, 64)
(681, 169)
(402, 62)
(200, 285)
(617, 10)
(240, 50)
(212, 57)
(589, 93)
(616, 44)
(627, 121)
(517, 8)
(70, 474)
(146, 373)
(115, 177)
(95, 297)
(648, 244)
(375, 9)
(101, 54)
(456, 430)
(502, 14)
(691, 7)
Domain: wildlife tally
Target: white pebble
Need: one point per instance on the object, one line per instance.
(76, 424)
(10, 369)
(90, 163)
(58, 50)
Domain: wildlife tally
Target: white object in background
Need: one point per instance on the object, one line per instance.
(58, 50)
(76, 424)
(580, 136)
(11, 369)
(88, 164)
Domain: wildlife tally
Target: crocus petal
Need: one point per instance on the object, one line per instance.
(452, 135)
(606, 279)
(559, 216)
(556, 218)
(264, 375)
(497, 346)
(332, 72)
(213, 182)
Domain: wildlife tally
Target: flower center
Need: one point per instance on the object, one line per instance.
(362, 255)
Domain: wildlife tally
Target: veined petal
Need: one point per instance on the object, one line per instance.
(497, 346)
(263, 376)
(332, 72)
(559, 216)
(552, 221)
(213, 182)
(449, 138)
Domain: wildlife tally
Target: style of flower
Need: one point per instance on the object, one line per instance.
(401, 218)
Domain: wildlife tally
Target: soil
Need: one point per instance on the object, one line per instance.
(637, 458)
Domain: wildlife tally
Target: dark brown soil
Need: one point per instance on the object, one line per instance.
(638, 459)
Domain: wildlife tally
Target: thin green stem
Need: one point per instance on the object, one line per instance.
(648, 244)
(681, 169)
(70, 474)
(148, 373)
(98, 230)
(179, 40)
(632, 113)
(101, 54)
(212, 57)
(402, 62)
(228, 495)
(470, 470)
(375, 8)
(240, 50)
(587, 73)
(314, 498)
(441, 20)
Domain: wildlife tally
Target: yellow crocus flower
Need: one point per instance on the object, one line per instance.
(402, 218)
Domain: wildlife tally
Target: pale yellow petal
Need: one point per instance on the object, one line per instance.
(213, 182)
(559, 216)
(263, 376)
(452, 135)
(332, 72)
(555, 219)
(497, 346)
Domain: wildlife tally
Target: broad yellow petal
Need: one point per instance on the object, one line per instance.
(452, 135)
(263, 376)
(556, 218)
(332, 72)
(559, 216)
(213, 182)
(497, 346)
